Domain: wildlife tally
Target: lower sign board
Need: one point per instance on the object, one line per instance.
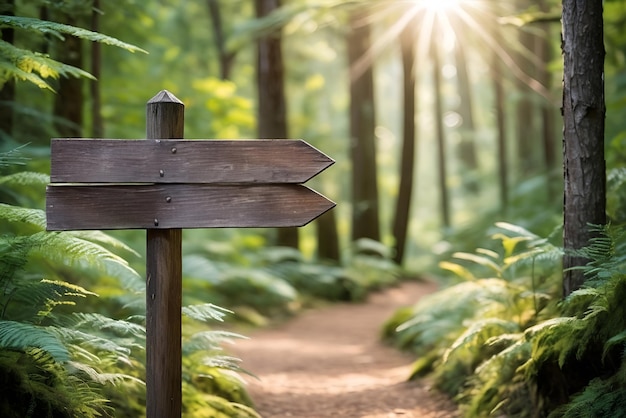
(165, 206)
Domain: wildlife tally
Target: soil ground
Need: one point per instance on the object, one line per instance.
(330, 362)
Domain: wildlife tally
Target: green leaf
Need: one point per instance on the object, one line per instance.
(483, 261)
(57, 29)
(33, 217)
(21, 336)
(206, 312)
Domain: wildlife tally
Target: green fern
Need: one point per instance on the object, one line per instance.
(34, 67)
(478, 336)
(495, 385)
(478, 333)
(22, 336)
(601, 398)
(206, 312)
(58, 30)
(209, 341)
(31, 217)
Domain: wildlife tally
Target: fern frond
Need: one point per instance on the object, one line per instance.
(40, 297)
(494, 387)
(105, 240)
(99, 377)
(509, 243)
(223, 362)
(480, 260)
(461, 271)
(478, 333)
(32, 66)
(10, 71)
(17, 214)
(206, 312)
(25, 179)
(555, 338)
(58, 30)
(518, 230)
(209, 341)
(63, 249)
(13, 257)
(21, 336)
(117, 327)
(12, 157)
(619, 339)
(601, 398)
(117, 346)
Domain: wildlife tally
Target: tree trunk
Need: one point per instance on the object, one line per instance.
(467, 147)
(441, 138)
(407, 157)
(499, 105)
(583, 135)
(525, 116)
(328, 237)
(97, 124)
(226, 58)
(272, 107)
(7, 90)
(548, 116)
(365, 218)
(69, 100)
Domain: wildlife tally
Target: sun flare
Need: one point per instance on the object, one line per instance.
(439, 6)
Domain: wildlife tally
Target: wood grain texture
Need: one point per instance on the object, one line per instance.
(163, 323)
(182, 206)
(164, 120)
(184, 161)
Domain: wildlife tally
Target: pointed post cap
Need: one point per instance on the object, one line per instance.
(164, 96)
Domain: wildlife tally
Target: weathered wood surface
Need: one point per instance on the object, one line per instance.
(163, 323)
(184, 161)
(165, 116)
(182, 206)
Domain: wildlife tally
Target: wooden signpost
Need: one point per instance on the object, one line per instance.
(164, 184)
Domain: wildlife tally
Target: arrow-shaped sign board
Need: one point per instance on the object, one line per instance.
(166, 206)
(184, 161)
(161, 184)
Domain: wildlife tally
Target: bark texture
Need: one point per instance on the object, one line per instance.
(583, 140)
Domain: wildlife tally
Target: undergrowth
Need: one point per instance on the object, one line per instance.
(503, 343)
(72, 324)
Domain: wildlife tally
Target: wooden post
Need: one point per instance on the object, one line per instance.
(165, 120)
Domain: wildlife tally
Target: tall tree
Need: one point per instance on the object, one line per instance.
(444, 197)
(467, 146)
(272, 108)
(97, 122)
(499, 106)
(548, 117)
(407, 157)
(7, 89)
(365, 213)
(226, 58)
(525, 109)
(583, 135)
(69, 100)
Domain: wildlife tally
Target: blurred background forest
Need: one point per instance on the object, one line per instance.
(443, 118)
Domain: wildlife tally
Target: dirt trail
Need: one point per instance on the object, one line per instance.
(330, 362)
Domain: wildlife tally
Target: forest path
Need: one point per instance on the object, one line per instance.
(330, 362)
